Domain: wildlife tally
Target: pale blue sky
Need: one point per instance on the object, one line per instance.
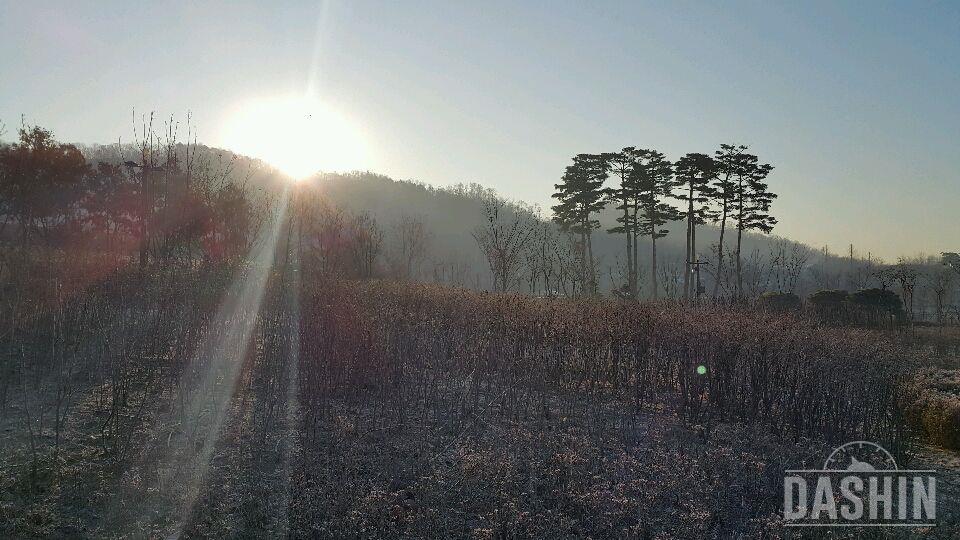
(858, 108)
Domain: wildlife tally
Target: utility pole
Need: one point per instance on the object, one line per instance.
(853, 271)
(695, 269)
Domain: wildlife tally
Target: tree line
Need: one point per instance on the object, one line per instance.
(161, 200)
(155, 199)
(652, 192)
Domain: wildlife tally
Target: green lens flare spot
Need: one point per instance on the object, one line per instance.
(701, 370)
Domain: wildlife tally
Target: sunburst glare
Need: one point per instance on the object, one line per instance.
(297, 135)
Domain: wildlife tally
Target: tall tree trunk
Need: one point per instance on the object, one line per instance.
(694, 258)
(583, 263)
(653, 265)
(739, 269)
(740, 216)
(593, 276)
(689, 255)
(636, 251)
(631, 282)
(723, 228)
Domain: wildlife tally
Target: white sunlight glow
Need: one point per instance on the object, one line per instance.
(297, 135)
(216, 370)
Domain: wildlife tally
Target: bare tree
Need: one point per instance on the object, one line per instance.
(502, 239)
(366, 246)
(541, 258)
(940, 282)
(452, 271)
(570, 255)
(410, 248)
(906, 275)
(327, 238)
(788, 260)
(670, 279)
(756, 273)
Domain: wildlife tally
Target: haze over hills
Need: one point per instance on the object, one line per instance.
(451, 214)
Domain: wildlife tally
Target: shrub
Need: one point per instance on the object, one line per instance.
(779, 301)
(829, 298)
(878, 299)
(409, 345)
(934, 410)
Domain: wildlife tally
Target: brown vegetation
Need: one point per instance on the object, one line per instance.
(935, 409)
(407, 345)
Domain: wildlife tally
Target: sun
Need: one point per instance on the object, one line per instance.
(298, 136)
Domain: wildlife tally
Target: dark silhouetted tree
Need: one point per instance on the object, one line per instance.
(41, 181)
(728, 162)
(695, 172)
(581, 195)
(655, 183)
(940, 281)
(906, 275)
(881, 304)
(753, 200)
(626, 196)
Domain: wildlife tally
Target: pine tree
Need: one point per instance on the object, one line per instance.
(729, 159)
(753, 201)
(581, 195)
(656, 183)
(694, 174)
(623, 164)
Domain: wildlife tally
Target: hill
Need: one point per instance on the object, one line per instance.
(450, 216)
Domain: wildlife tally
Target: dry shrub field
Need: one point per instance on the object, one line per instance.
(383, 409)
(415, 350)
(434, 409)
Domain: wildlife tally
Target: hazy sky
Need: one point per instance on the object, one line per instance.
(858, 108)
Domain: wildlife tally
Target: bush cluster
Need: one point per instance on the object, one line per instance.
(411, 348)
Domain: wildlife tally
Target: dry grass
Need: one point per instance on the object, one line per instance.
(426, 411)
(411, 348)
(439, 411)
(935, 409)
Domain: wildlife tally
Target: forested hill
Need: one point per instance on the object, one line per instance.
(214, 162)
(450, 215)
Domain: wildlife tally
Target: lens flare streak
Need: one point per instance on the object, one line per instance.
(216, 369)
